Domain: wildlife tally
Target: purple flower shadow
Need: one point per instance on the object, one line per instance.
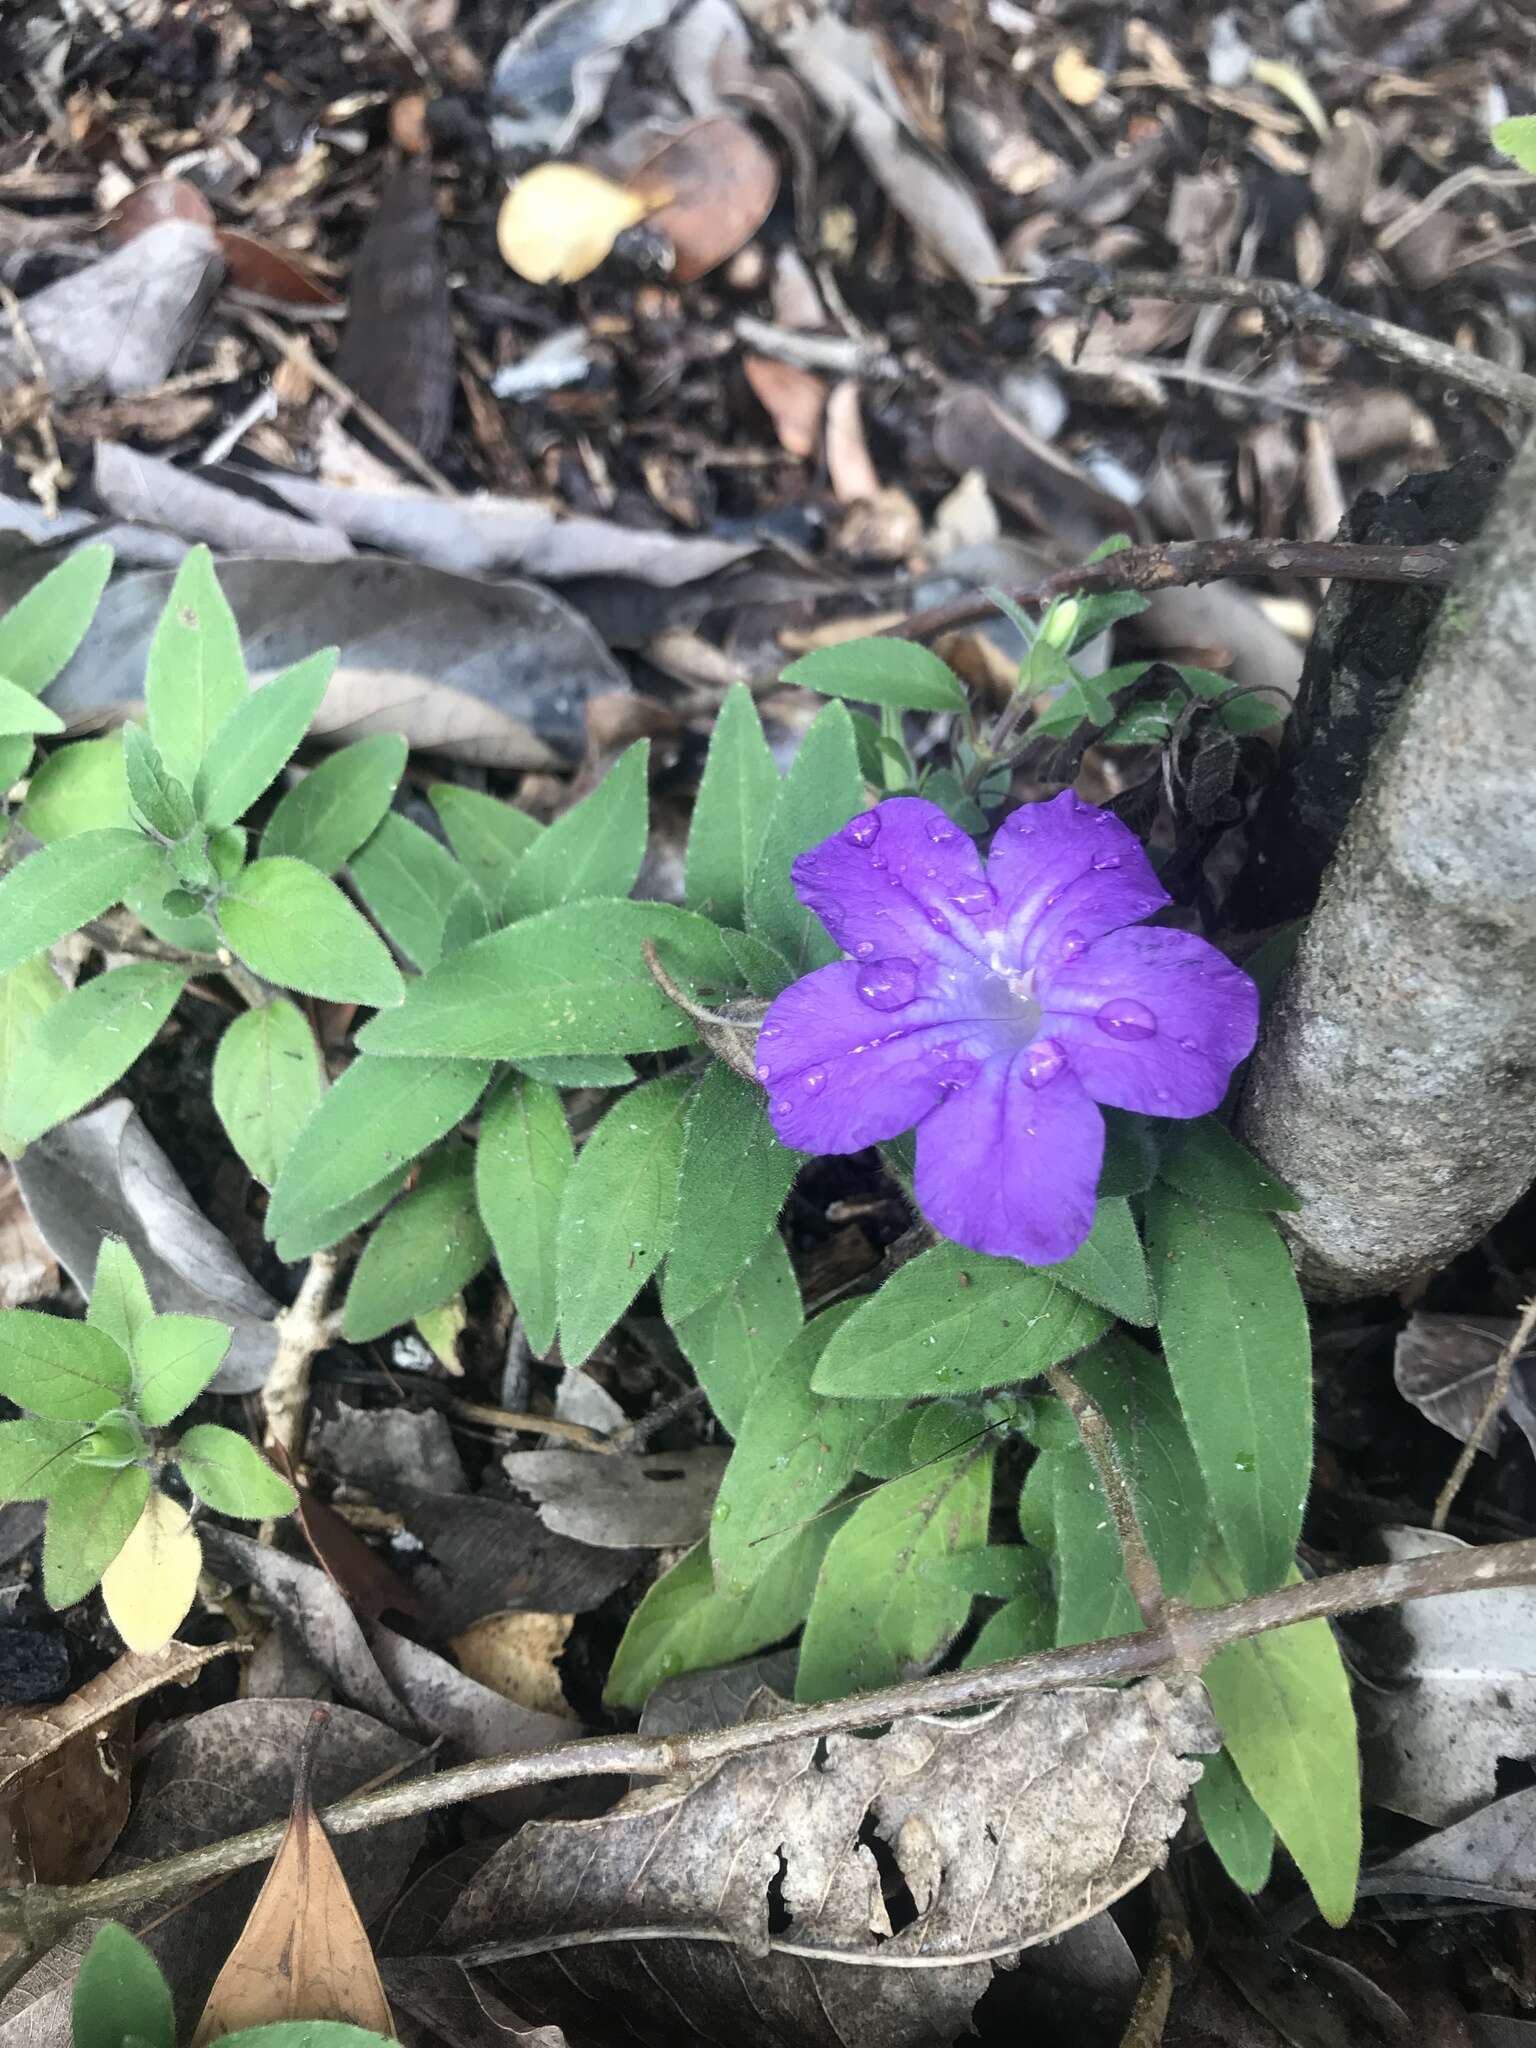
(996, 1008)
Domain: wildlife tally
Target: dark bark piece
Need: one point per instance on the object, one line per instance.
(1366, 647)
(397, 351)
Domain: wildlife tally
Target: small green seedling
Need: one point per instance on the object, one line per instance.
(99, 1396)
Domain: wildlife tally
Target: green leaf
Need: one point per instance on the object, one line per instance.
(884, 1604)
(617, 1212)
(1284, 1706)
(1234, 1329)
(741, 1332)
(1203, 1160)
(1027, 1624)
(94, 1036)
(303, 2034)
(469, 917)
(876, 671)
(683, 1624)
(378, 1117)
(120, 1995)
(489, 837)
(821, 792)
(172, 913)
(227, 1472)
(79, 788)
(1133, 1392)
(42, 630)
(573, 981)
(409, 883)
(795, 1452)
(1516, 137)
(732, 1183)
(120, 1306)
(1234, 1823)
(174, 1358)
(730, 813)
(159, 801)
(250, 748)
(21, 713)
(35, 1454)
(69, 1372)
(579, 1070)
(91, 1515)
(267, 1081)
(196, 673)
(1109, 1266)
(522, 1163)
(1131, 1151)
(27, 994)
(288, 923)
(16, 755)
(430, 1245)
(328, 814)
(61, 887)
(321, 1228)
(594, 850)
(956, 1322)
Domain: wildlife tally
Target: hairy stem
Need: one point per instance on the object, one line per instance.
(41, 1913)
(1141, 1572)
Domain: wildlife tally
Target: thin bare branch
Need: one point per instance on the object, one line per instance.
(39, 1914)
(1493, 1407)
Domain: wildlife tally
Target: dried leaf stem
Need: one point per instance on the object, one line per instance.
(303, 1332)
(1164, 565)
(1498, 1394)
(1141, 1572)
(1292, 305)
(40, 1914)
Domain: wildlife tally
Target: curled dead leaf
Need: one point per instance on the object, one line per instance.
(559, 221)
(303, 1953)
(722, 183)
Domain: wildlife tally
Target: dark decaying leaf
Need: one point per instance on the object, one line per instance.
(1494, 1847)
(1003, 1832)
(148, 491)
(121, 321)
(493, 1556)
(658, 1502)
(1445, 1365)
(385, 1448)
(498, 674)
(718, 1698)
(397, 348)
(103, 1175)
(436, 1992)
(208, 1776)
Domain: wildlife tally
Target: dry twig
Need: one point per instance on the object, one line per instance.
(1493, 1407)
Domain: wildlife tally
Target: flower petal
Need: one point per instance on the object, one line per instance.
(843, 1072)
(1010, 1168)
(1151, 1020)
(1065, 873)
(899, 879)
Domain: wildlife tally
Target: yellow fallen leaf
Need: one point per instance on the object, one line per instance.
(1075, 78)
(441, 1328)
(302, 1954)
(149, 1585)
(559, 221)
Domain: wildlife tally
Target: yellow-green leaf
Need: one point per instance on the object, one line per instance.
(150, 1585)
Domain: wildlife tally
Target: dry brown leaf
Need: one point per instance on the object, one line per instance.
(1075, 78)
(273, 273)
(722, 183)
(303, 1953)
(28, 1270)
(161, 199)
(851, 473)
(793, 399)
(515, 1655)
(560, 221)
(884, 528)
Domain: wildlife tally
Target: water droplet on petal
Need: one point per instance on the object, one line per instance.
(1126, 1018)
(975, 898)
(863, 830)
(1072, 943)
(783, 1106)
(1054, 898)
(813, 1080)
(762, 1071)
(1043, 1061)
(942, 832)
(864, 950)
(888, 985)
(959, 1074)
(1107, 860)
(1189, 1045)
(938, 920)
(771, 1031)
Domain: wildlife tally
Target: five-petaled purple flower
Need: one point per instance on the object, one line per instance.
(996, 1009)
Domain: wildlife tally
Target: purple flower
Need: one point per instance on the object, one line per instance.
(996, 1009)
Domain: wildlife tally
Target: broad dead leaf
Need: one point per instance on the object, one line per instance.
(303, 1954)
(1445, 1366)
(722, 183)
(560, 221)
(657, 1501)
(150, 1585)
(515, 1655)
(997, 1833)
(28, 1270)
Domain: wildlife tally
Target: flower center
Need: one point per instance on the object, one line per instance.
(1023, 1009)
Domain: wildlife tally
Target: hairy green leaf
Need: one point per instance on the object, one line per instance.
(69, 1372)
(93, 1037)
(35, 1455)
(732, 1183)
(409, 883)
(160, 801)
(1203, 1160)
(317, 1230)
(730, 813)
(79, 788)
(174, 1358)
(22, 714)
(430, 1245)
(741, 1332)
(63, 886)
(27, 994)
(249, 749)
(288, 923)
(227, 1472)
(42, 630)
(1234, 1823)
(120, 1304)
(875, 671)
(328, 814)
(120, 1995)
(522, 1163)
(196, 672)
(617, 1211)
(1109, 1266)
(91, 1515)
(489, 837)
(267, 1081)
(594, 850)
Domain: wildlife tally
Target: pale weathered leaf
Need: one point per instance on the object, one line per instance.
(661, 1501)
